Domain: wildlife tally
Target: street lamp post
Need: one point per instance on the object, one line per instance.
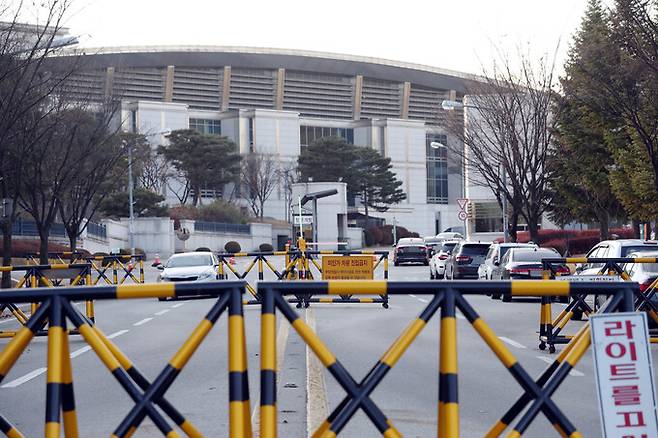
(131, 211)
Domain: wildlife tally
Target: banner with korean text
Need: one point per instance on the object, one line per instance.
(624, 375)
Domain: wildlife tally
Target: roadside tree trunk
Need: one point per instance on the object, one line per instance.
(6, 253)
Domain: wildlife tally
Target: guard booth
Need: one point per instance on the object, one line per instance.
(331, 214)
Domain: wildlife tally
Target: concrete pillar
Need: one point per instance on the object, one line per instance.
(169, 84)
(109, 81)
(226, 88)
(280, 82)
(406, 92)
(358, 87)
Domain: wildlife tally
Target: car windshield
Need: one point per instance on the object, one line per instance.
(475, 250)
(191, 260)
(433, 240)
(627, 249)
(532, 255)
(448, 246)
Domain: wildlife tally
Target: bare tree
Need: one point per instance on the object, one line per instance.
(25, 88)
(259, 176)
(99, 163)
(507, 134)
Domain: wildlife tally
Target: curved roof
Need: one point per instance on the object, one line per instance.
(269, 58)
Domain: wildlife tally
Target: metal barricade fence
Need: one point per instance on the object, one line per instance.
(310, 260)
(260, 260)
(448, 298)
(48, 276)
(550, 329)
(115, 265)
(56, 308)
(58, 257)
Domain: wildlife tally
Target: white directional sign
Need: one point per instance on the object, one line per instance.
(305, 220)
(624, 375)
(462, 203)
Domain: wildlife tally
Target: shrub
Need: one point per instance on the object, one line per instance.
(377, 234)
(368, 237)
(221, 211)
(203, 249)
(232, 247)
(265, 247)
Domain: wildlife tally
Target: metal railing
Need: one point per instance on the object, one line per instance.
(22, 227)
(218, 227)
(97, 230)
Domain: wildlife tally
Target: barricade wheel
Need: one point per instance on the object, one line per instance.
(346, 297)
(507, 298)
(495, 296)
(551, 349)
(542, 346)
(385, 305)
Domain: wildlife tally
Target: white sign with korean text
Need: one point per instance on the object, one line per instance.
(624, 375)
(305, 220)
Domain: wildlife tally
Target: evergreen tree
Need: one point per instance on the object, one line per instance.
(581, 161)
(366, 173)
(206, 161)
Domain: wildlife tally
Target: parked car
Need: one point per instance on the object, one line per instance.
(465, 260)
(610, 249)
(613, 249)
(525, 264)
(438, 260)
(432, 243)
(491, 266)
(410, 250)
(644, 274)
(189, 266)
(449, 235)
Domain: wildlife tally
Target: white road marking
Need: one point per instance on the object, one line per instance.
(175, 306)
(162, 312)
(25, 378)
(317, 406)
(422, 300)
(460, 316)
(36, 373)
(548, 360)
(511, 342)
(413, 296)
(142, 322)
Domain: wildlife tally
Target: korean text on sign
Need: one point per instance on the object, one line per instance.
(625, 381)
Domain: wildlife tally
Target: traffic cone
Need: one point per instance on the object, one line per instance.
(130, 266)
(156, 261)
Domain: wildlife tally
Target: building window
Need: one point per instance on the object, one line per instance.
(437, 169)
(206, 126)
(308, 134)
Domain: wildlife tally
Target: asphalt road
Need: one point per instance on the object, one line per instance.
(150, 332)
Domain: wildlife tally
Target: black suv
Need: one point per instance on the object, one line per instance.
(465, 260)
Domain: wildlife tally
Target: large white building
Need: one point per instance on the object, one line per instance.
(278, 101)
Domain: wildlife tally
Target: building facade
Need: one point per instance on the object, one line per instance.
(279, 101)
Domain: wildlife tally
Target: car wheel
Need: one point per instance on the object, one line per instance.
(396, 263)
(432, 277)
(495, 296)
(439, 277)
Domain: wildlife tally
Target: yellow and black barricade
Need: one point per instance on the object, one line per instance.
(550, 329)
(55, 308)
(314, 260)
(49, 276)
(449, 298)
(58, 257)
(260, 261)
(121, 268)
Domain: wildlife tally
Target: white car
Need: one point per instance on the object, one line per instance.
(189, 266)
(449, 235)
(645, 274)
(438, 260)
(490, 269)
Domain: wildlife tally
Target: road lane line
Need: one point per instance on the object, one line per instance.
(317, 406)
(36, 373)
(413, 296)
(142, 322)
(422, 300)
(26, 378)
(162, 312)
(175, 306)
(548, 360)
(512, 342)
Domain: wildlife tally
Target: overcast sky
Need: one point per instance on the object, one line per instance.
(457, 35)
